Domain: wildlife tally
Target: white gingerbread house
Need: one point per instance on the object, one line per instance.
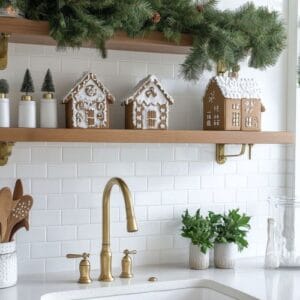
(232, 103)
(148, 106)
(87, 104)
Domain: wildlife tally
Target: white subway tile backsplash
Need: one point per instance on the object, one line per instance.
(91, 170)
(187, 182)
(175, 168)
(67, 179)
(45, 250)
(81, 154)
(160, 212)
(174, 197)
(161, 242)
(76, 185)
(133, 243)
(64, 171)
(160, 183)
(61, 201)
(46, 154)
(120, 169)
(148, 168)
(31, 170)
(61, 233)
(48, 186)
(75, 216)
(45, 217)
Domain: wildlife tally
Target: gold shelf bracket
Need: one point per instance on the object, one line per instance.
(221, 157)
(5, 152)
(3, 50)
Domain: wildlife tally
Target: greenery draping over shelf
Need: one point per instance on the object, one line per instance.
(225, 37)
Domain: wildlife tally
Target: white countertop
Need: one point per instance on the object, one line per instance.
(248, 277)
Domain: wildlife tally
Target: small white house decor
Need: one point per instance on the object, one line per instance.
(87, 104)
(148, 105)
(232, 103)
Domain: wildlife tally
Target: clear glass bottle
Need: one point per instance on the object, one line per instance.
(272, 255)
(286, 212)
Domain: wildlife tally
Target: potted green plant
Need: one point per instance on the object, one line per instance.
(231, 230)
(199, 230)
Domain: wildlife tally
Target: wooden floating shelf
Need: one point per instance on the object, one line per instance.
(144, 136)
(37, 32)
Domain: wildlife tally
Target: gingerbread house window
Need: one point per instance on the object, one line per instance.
(151, 118)
(236, 119)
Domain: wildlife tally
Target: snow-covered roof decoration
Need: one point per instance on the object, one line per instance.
(152, 84)
(89, 79)
(238, 88)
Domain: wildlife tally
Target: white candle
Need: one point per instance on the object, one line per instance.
(4, 112)
(27, 114)
(48, 113)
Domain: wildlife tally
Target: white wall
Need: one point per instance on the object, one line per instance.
(67, 179)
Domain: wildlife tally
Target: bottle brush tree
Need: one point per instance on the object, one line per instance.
(4, 87)
(27, 85)
(48, 85)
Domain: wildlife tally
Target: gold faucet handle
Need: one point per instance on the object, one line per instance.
(84, 267)
(127, 252)
(83, 255)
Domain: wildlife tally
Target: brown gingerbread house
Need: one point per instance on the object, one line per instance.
(148, 106)
(232, 103)
(87, 104)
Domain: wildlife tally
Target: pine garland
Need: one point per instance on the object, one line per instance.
(218, 36)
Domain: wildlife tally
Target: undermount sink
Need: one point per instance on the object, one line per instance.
(175, 290)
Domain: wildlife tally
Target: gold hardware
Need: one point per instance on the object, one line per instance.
(5, 152)
(221, 157)
(152, 279)
(84, 267)
(26, 98)
(127, 264)
(106, 255)
(3, 50)
(221, 68)
(2, 96)
(250, 151)
(48, 96)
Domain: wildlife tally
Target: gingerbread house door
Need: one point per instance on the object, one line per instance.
(151, 119)
(90, 114)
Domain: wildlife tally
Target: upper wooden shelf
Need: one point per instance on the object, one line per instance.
(144, 136)
(37, 32)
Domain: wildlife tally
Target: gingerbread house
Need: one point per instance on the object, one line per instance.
(87, 104)
(148, 106)
(232, 103)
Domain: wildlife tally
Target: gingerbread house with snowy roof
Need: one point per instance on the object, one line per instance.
(148, 105)
(232, 103)
(87, 104)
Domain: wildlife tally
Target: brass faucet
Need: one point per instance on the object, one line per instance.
(106, 255)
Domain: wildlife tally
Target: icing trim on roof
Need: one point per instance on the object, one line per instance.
(142, 85)
(86, 77)
(238, 88)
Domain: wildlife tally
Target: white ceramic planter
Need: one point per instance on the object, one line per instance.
(27, 114)
(4, 112)
(225, 255)
(198, 260)
(48, 113)
(8, 264)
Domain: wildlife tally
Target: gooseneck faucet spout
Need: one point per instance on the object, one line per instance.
(106, 256)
